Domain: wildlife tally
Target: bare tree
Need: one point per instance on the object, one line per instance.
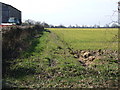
(119, 13)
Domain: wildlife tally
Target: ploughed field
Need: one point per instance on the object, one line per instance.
(68, 58)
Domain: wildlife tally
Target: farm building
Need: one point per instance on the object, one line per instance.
(8, 12)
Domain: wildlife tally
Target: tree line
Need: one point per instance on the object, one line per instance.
(46, 25)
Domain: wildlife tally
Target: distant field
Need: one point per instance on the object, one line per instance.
(87, 38)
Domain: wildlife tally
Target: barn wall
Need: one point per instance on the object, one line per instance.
(0, 13)
(13, 12)
(7, 11)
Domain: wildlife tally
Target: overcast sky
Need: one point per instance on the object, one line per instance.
(67, 12)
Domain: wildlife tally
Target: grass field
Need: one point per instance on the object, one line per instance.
(100, 38)
(48, 63)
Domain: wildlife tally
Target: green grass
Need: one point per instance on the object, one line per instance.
(49, 63)
(89, 38)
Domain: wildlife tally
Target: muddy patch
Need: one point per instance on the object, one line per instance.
(86, 57)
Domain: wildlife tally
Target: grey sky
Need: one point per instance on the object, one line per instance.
(67, 12)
